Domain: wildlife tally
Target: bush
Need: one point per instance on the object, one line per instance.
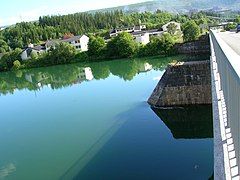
(167, 43)
(61, 54)
(191, 31)
(6, 62)
(96, 46)
(121, 46)
(81, 57)
(238, 19)
(230, 26)
(158, 46)
(16, 65)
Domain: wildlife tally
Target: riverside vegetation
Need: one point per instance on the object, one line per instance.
(97, 26)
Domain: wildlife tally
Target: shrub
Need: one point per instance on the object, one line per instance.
(191, 31)
(121, 46)
(16, 65)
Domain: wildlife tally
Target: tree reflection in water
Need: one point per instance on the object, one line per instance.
(66, 75)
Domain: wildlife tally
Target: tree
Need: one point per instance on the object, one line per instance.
(96, 46)
(230, 26)
(191, 31)
(167, 43)
(62, 53)
(151, 49)
(54, 27)
(3, 46)
(238, 19)
(16, 65)
(158, 46)
(122, 46)
(6, 62)
(172, 28)
(100, 70)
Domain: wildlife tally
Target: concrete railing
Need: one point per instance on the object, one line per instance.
(225, 65)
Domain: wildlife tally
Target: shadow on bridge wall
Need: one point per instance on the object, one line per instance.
(189, 122)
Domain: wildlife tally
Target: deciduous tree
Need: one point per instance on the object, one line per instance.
(191, 31)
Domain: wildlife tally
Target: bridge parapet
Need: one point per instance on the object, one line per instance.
(225, 68)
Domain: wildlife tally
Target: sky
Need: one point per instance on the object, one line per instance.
(12, 11)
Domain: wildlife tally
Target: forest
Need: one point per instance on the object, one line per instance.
(98, 23)
(97, 26)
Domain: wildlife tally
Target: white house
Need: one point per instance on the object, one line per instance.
(79, 42)
(165, 27)
(141, 37)
(30, 50)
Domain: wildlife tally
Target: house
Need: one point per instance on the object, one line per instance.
(155, 32)
(51, 44)
(139, 33)
(79, 42)
(31, 50)
(115, 32)
(141, 37)
(165, 27)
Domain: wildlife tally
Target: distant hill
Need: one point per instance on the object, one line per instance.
(178, 6)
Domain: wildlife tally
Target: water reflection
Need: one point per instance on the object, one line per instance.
(67, 75)
(40, 78)
(190, 122)
(57, 77)
(7, 170)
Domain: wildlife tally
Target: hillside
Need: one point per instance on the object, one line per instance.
(178, 6)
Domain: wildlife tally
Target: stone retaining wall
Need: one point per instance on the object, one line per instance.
(186, 83)
(201, 46)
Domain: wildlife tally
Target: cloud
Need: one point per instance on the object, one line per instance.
(30, 15)
(61, 8)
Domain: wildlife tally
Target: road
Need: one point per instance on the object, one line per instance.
(232, 39)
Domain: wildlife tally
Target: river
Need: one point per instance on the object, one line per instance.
(92, 121)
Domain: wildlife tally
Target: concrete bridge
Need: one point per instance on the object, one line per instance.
(225, 72)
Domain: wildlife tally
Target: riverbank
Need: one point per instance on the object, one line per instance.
(34, 78)
(121, 47)
(180, 57)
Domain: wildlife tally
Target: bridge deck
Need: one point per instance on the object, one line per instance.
(225, 55)
(232, 39)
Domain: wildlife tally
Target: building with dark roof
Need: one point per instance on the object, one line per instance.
(32, 50)
(115, 32)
